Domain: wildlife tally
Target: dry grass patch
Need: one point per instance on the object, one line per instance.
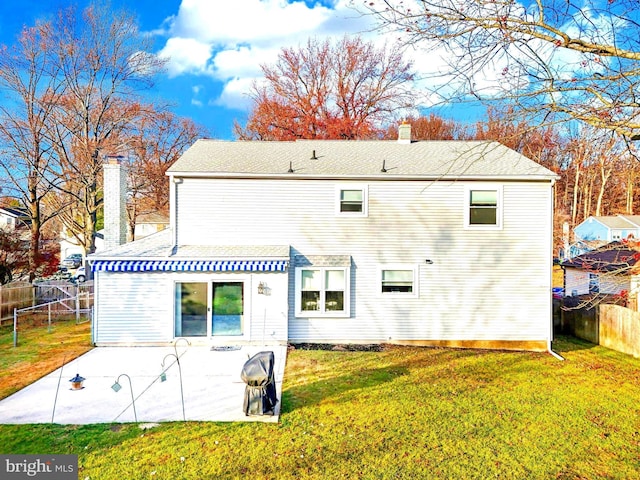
(39, 352)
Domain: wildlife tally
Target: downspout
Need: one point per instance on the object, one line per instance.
(550, 336)
(173, 224)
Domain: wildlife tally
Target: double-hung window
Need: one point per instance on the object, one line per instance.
(322, 291)
(483, 207)
(352, 200)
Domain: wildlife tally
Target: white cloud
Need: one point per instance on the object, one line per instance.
(185, 55)
(242, 62)
(243, 21)
(234, 95)
(228, 41)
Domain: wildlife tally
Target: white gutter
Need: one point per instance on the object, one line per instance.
(353, 177)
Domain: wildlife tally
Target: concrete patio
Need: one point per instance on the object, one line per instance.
(212, 389)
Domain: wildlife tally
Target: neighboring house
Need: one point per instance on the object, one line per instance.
(149, 223)
(146, 224)
(608, 228)
(12, 218)
(70, 245)
(609, 269)
(426, 243)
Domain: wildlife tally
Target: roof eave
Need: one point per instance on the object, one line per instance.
(386, 176)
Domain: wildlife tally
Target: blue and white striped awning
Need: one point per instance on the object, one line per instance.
(189, 265)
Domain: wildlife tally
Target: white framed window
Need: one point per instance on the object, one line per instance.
(352, 200)
(322, 291)
(398, 280)
(483, 206)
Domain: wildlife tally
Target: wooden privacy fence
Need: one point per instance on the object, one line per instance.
(12, 296)
(611, 326)
(619, 329)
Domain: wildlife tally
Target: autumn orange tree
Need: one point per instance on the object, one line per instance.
(431, 127)
(344, 90)
(157, 141)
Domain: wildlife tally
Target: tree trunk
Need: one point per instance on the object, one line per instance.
(576, 192)
(604, 178)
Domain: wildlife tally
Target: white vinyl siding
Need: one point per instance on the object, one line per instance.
(579, 282)
(140, 307)
(133, 308)
(481, 284)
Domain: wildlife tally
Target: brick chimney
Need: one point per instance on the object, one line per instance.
(115, 202)
(404, 133)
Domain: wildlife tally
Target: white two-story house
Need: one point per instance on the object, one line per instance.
(429, 243)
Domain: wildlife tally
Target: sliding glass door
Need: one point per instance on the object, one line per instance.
(228, 308)
(191, 309)
(209, 309)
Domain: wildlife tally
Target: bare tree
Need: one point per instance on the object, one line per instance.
(104, 64)
(31, 88)
(346, 90)
(553, 60)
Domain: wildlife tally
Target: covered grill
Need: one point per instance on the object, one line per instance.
(260, 393)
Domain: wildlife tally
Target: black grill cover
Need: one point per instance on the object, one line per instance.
(260, 393)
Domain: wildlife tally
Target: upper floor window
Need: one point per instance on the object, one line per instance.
(352, 200)
(484, 207)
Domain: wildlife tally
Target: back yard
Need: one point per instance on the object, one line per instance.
(397, 413)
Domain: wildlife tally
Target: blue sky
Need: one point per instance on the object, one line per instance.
(216, 46)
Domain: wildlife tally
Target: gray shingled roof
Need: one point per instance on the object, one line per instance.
(635, 219)
(612, 257)
(356, 159)
(158, 247)
(615, 221)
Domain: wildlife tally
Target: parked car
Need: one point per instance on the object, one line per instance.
(72, 261)
(80, 275)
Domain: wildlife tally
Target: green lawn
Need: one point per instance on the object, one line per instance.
(400, 413)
